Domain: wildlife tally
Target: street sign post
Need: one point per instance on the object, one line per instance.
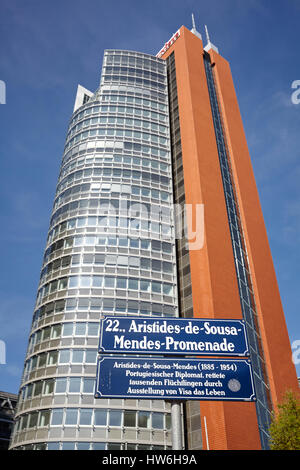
(175, 336)
(174, 379)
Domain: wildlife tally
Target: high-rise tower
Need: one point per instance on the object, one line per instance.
(232, 275)
(158, 131)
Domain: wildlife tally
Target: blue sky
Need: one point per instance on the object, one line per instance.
(48, 47)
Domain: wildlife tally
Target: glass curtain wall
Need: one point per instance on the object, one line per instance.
(110, 250)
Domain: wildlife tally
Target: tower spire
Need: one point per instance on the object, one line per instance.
(207, 35)
(194, 30)
(209, 44)
(193, 22)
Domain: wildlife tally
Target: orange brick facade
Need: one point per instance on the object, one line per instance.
(215, 291)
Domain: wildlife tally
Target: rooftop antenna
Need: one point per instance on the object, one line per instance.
(194, 30)
(209, 44)
(193, 22)
(207, 35)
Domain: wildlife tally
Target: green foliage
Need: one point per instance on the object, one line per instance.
(285, 426)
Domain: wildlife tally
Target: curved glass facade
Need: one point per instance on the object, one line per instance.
(110, 249)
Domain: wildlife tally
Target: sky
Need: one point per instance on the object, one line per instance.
(48, 47)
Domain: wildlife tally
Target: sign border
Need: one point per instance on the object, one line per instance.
(98, 395)
(130, 352)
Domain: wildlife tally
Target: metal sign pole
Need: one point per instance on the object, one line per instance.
(176, 425)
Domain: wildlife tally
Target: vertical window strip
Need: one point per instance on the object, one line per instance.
(183, 259)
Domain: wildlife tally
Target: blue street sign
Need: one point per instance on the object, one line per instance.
(174, 379)
(176, 336)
